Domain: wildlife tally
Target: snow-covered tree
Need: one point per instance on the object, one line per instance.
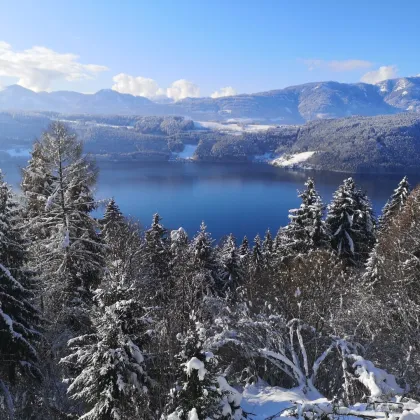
(200, 393)
(19, 320)
(231, 273)
(155, 262)
(202, 268)
(37, 181)
(113, 382)
(395, 204)
(257, 257)
(69, 254)
(306, 228)
(267, 245)
(351, 223)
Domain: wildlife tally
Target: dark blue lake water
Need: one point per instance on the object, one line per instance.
(244, 199)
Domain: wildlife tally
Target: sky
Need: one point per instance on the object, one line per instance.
(179, 48)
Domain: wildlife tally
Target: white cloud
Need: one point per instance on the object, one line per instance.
(143, 86)
(138, 86)
(225, 91)
(38, 67)
(383, 73)
(181, 89)
(337, 65)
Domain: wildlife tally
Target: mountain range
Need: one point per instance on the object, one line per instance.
(291, 105)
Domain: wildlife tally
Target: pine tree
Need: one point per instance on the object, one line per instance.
(351, 222)
(199, 393)
(306, 229)
(395, 204)
(19, 319)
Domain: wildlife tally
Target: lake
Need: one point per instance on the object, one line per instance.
(244, 199)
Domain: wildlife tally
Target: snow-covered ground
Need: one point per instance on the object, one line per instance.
(265, 401)
(275, 403)
(287, 161)
(187, 153)
(233, 128)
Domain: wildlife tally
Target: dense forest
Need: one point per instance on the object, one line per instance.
(387, 143)
(101, 319)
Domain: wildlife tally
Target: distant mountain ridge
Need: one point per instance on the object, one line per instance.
(291, 105)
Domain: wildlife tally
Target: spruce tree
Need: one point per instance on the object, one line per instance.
(113, 223)
(395, 204)
(199, 392)
(305, 230)
(231, 273)
(37, 183)
(20, 321)
(202, 267)
(112, 381)
(257, 257)
(155, 262)
(351, 223)
(244, 248)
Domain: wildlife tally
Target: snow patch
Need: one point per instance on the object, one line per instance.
(231, 127)
(198, 365)
(287, 161)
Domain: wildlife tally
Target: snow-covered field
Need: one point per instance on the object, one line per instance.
(233, 128)
(187, 153)
(286, 161)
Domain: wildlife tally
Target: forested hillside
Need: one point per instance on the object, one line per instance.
(356, 144)
(102, 320)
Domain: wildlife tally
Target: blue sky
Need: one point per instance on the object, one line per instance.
(247, 45)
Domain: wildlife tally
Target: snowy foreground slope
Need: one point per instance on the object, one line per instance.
(265, 402)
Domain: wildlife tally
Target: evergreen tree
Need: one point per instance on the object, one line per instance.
(113, 223)
(351, 223)
(37, 184)
(203, 268)
(69, 255)
(257, 257)
(199, 393)
(395, 204)
(306, 228)
(155, 262)
(19, 319)
(112, 381)
(244, 248)
(231, 273)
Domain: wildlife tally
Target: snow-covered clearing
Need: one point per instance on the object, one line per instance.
(231, 128)
(292, 160)
(187, 153)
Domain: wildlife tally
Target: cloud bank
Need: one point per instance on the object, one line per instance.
(383, 73)
(225, 91)
(38, 67)
(142, 86)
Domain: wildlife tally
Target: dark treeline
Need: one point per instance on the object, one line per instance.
(100, 320)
